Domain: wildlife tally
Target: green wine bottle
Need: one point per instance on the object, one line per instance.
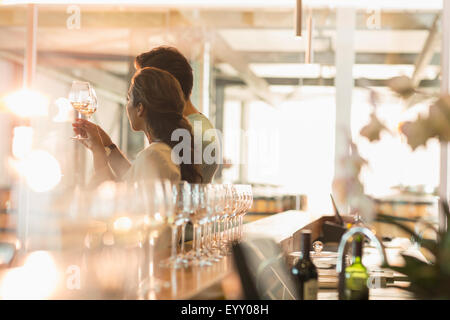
(356, 275)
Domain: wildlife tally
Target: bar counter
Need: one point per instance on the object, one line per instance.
(215, 281)
(206, 281)
(285, 229)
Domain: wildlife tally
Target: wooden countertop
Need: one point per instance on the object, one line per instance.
(280, 226)
(187, 283)
(191, 281)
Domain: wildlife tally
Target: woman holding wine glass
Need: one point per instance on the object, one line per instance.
(155, 106)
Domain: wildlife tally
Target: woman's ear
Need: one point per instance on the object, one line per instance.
(140, 110)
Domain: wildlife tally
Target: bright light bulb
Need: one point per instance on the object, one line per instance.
(41, 170)
(27, 103)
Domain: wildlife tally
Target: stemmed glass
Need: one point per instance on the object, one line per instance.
(218, 209)
(181, 202)
(238, 207)
(156, 200)
(93, 106)
(114, 238)
(222, 214)
(216, 212)
(229, 210)
(83, 99)
(247, 202)
(207, 244)
(199, 193)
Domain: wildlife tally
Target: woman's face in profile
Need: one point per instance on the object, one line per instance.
(132, 114)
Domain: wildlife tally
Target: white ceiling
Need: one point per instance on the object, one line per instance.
(279, 40)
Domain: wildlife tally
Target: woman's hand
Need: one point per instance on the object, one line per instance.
(91, 133)
(104, 136)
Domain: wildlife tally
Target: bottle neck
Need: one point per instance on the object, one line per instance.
(305, 253)
(305, 245)
(356, 260)
(357, 250)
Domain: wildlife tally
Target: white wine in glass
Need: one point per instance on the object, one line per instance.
(84, 100)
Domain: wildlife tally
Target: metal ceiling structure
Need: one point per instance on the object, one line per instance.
(110, 36)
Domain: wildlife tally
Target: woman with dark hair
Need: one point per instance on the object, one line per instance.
(155, 106)
(207, 149)
(173, 61)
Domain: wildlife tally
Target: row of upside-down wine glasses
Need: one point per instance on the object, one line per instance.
(216, 213)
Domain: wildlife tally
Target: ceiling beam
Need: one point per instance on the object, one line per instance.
(15, 17)
(429, 48)
(222, 51)
(60, 59)
(102, 87)
(257, 85)
(117, 85)
(327, 57)
(327, 82)
(54, 17)
(102, 57)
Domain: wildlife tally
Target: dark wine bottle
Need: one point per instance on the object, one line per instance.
(356, 275)
(305, 272)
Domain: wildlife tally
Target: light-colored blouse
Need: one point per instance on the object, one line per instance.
(154, 162)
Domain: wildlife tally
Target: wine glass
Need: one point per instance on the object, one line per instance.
(199, 213)
(230, 207)
(94, 104)
(222, 218)
(248, 202)
(239, 206)
(83, 99)
(155, 199)
(217, 210)
(114, 240)
(184, 208)
(181, 203)
(207, 222)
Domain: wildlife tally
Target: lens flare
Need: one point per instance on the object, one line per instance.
(36, 279)
(123, 224)
(41, 170)
(27, 103)
(65, 110)
(22, 141)
(107, 190)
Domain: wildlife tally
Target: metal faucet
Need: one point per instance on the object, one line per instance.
(340, 265)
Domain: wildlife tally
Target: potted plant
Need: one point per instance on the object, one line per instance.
(431, 279)
(428, 279)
